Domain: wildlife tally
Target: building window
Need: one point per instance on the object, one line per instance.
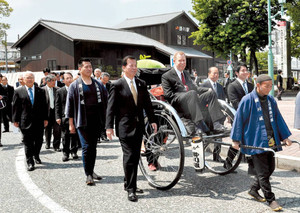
(178, 39)
(183, 40)
(51, 64)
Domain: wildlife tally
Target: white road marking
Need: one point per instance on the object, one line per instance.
(33, 189)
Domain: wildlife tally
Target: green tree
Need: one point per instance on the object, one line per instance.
(293, 10)
(233, 25)
(262, 60)
(5, 11)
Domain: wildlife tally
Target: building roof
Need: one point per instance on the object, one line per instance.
(78, 32)
(151, 20)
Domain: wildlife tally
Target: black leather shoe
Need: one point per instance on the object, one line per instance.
(96, 177)
(37, 161)
(5, 131)
(138, 190)
(1, 144)
(256, 196)
(90, 181)
(30, 167)
(74, 155)
(132, 197)
(65, 158)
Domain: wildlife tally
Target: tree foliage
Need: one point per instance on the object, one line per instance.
(5, 11)
(232, 25)
(293, 11)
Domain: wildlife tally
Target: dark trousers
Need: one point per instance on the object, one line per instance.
(88, 139)
(33, 140)
(6, 118)
(69, 141)
(52, 128)
(279, 93)
(264, 166)
(192, 105)
(131, 154)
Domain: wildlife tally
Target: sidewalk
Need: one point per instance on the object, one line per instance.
(289, 158)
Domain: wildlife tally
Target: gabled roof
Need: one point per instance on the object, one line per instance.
(78, 32)
(151, 20)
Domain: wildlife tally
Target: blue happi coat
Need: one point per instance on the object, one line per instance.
(249, 126)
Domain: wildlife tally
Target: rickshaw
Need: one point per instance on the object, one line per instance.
(165, 148)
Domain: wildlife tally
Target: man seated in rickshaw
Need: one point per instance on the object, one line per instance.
(187, 98)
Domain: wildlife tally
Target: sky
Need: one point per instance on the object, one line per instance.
(102, 13)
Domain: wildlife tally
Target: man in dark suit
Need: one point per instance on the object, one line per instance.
(212, 82)
(52, 127)
(279, 85)
(240, 87)
(104, 80)
(226, 83)
(30, 115)
(3, 100)
(7, 111)
(189, 99)
(236, 91)
(69, 141)
(197, 80)
(128, 98)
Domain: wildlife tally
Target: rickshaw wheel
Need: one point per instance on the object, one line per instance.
(222, 159)
(164, 150)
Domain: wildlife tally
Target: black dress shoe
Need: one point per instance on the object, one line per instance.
(90, 181)
(5, 131)
(37, 161)
(65, 158)
(30, 167)
(132, 197)
(74, 155)
(138, 190)
(1, 144)
(96, 177)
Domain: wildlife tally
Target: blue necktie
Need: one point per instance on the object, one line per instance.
(245, 87)
(31, 95)
(215, 87)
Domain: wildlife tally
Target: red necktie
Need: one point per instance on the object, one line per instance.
(182, 78)
(183, 81)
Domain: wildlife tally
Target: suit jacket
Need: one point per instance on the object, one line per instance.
(236, 92)
(60, 84)
(48, 98)
(220, 91)
(122, 110)
(27, 114)
(60, 104)
(9, 93)
(197, 81)
(172, 85)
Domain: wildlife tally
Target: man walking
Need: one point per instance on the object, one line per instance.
(128, 98)
(85, 109)
(30, 115)
(69, 141)
(7, 111)
(259, 123)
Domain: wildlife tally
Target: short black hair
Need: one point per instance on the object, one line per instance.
(69, 73)
(240, 65)
(83, 60)
(46, 69)
(279, 71)
(124, 61)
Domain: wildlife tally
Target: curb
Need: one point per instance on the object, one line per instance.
(287, 162)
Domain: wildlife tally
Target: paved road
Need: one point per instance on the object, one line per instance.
(56, 186)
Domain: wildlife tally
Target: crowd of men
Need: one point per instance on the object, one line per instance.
(83, 110)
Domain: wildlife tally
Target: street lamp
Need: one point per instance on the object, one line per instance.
(270, 55)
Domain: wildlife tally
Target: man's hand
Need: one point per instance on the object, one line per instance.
(154, 126)
(72, 128)
(58, 121)
(110, 133)
(16, 124)
(45, 123)
(236, 145)
(288, 142)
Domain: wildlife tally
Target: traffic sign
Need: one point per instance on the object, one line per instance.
(229, 62)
